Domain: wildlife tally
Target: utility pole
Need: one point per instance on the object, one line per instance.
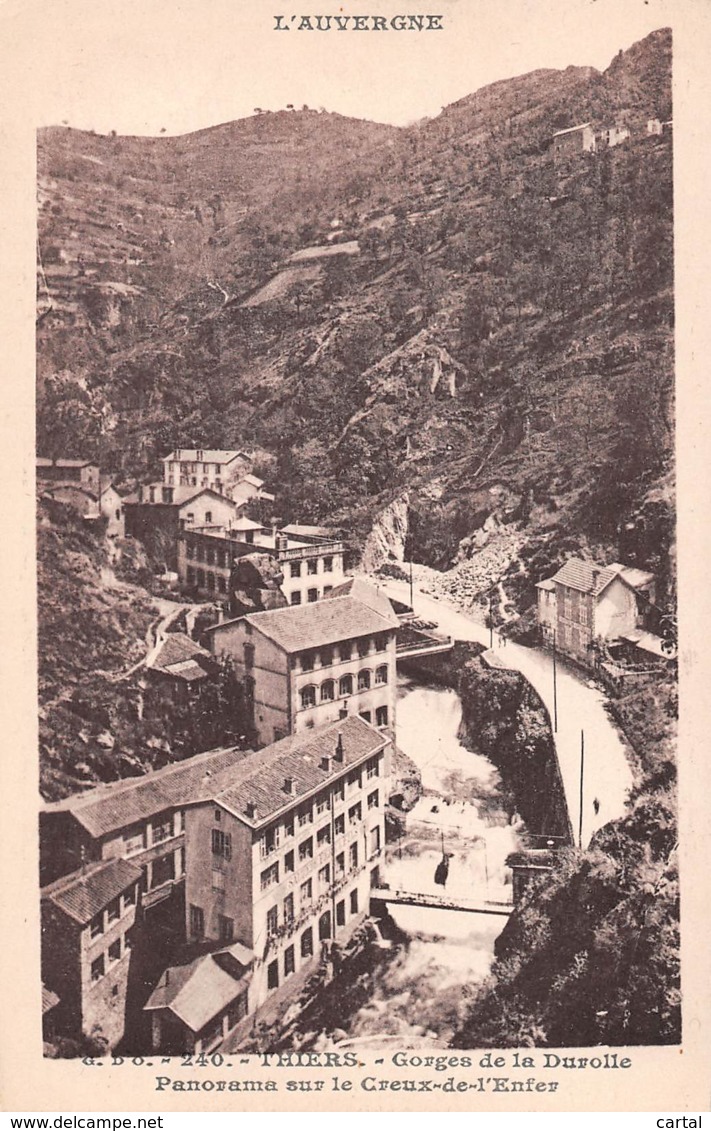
(412, 603)
(582, 775)
(555, 689)
(491, 623)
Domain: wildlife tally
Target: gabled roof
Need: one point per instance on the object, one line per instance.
(244, 523)
(86, 892)
(124, 803)
(297, 627)
(106, 483)
(299, 530)
(637, 578)
(548, 584)
(587, 577)
(253, 480)
(208, 455)
(200, 990)
(177, 648)
(181, 496)
(259, 779)
(368, 595)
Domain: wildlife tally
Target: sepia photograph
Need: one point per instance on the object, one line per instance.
(356, 546)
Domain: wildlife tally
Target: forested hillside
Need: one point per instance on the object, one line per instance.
(501, 344)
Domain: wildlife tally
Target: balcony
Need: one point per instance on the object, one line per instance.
(319, 550)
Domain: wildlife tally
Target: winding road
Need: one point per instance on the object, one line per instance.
(607, 775)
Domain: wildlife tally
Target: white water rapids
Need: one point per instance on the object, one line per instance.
(426, 991)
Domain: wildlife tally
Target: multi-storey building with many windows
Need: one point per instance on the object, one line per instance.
(216, 468)
(87, 923)
(280, 862)
(307, 666)
(312, 565)
(139, 819)
(584, 602)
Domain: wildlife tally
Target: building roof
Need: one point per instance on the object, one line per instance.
(253, 480)
(588, 577)
(571, 129)
(42, 461)
(259, 779)
(208, 455)
(244, 523)
(106, 483)
(647, 642)
(314, 625)
(84, 893)
(300, 531)
(180, 656)
(637, 578)
(200, 990)
(49, 489)
(368, 595)
(549, 584)
(181, 495)
(124, 803)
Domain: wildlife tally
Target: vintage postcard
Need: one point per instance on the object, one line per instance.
(356, 547)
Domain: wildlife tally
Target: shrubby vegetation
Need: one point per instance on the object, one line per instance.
(592, 956)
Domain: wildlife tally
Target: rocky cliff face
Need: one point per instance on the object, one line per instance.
(501, 322)
(386, 541)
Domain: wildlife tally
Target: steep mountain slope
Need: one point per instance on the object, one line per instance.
(498, 351)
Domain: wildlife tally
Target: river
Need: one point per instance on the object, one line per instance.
(425, 985)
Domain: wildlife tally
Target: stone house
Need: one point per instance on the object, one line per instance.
(82, 471)
(569, 144)
(584, 602)
(87, 924)
(158, 512)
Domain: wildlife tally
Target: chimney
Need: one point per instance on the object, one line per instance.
(288, 785)
(167, 977)
(250, 810)
(595, 576)
(343, 712)
(338, 756)
(326, 763)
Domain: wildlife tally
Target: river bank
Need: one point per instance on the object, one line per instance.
(418, 981)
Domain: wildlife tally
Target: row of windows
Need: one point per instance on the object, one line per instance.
(206, 580)
(270, 875)
(312, 595)
(271, 838)
(103, 962)
(312, 566)
(345, 650)
(326, 693)
(306, 943)
(211, 555)
(163, 827)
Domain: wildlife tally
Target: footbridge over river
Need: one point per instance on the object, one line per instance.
(441, 902)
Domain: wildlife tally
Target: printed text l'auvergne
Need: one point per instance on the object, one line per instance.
(358, 23)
